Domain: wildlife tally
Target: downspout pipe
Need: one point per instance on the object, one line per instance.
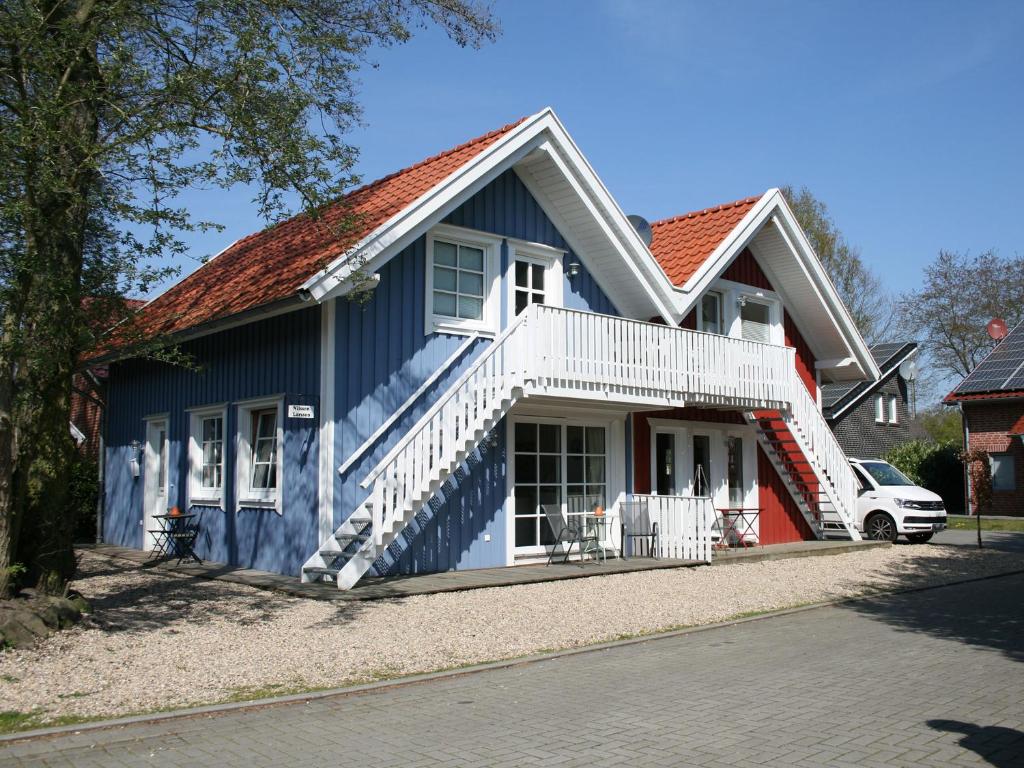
(967, 447)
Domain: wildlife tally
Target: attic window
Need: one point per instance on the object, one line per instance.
(710, 317)
(461, 271)
(755, 321)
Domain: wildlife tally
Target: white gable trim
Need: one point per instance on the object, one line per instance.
(772, 210)
(534, 133)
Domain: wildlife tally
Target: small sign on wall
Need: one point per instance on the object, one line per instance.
(301, 412)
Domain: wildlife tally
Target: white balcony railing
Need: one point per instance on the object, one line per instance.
(568, 353)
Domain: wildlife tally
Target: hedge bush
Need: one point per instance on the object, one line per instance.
(935, 466)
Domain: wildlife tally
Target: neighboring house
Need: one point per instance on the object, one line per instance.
(991, 402)
(524, 352)
(870, 418)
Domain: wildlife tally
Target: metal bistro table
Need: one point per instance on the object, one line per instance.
(596, 525)
(739, 527)
(176, 537)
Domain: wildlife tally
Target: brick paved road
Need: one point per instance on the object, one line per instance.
(893, 682)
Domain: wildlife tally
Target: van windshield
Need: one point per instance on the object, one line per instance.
(886, 474)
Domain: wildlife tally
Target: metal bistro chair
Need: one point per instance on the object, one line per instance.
(569, 532)
(637, 525)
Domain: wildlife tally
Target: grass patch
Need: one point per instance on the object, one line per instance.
(12, 720)
(987, 524)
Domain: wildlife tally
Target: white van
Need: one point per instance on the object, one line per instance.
(890, 505)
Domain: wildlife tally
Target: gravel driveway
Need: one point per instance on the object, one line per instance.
(159, 640)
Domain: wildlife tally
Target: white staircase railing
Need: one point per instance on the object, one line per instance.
(569, 353)
(821, 449)
(415, 468)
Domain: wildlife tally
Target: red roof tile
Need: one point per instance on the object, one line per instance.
(273, 264)
(683, 243)
(953, 397)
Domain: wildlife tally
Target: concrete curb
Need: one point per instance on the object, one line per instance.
(832, 548)
(427, 677)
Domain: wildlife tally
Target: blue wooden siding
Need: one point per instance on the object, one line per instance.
(277, 356)
(383, 356)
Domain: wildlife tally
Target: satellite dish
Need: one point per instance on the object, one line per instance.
(642, 227)
(997, 328)
(908, 370)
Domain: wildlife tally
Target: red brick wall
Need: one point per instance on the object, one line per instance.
(988, 424)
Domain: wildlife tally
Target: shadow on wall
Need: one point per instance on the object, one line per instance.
(998, 746)
(987, 614)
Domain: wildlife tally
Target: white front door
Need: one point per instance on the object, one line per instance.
(155, 479)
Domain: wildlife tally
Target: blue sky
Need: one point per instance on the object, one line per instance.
(906, 118)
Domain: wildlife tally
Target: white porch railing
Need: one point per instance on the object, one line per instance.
(685, 524)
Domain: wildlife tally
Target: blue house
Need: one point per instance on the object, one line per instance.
(526, 351)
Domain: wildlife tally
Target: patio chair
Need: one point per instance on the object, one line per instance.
(568, 532)
(637, 526)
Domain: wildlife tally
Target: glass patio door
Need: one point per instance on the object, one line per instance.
(555, 464)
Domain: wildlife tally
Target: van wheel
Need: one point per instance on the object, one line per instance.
(919, 538)
(880, 527)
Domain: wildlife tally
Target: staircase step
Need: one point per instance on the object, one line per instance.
(352, 536)
(316, 570)
(332, 553)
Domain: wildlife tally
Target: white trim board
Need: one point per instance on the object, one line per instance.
(536, 131)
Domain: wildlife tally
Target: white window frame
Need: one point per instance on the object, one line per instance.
(615, 468)
(246, 495)
(732, 292)
(1008, 461)
(197, 494)
(721, 313)
(880, 409)
(491, 246)
(536, 253)
(894, 410)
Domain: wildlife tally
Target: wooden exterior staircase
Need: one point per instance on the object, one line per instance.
(556, 352)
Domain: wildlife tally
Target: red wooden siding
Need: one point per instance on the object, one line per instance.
(745, 269)
(642, 436)
(781, 520)
(804, 357)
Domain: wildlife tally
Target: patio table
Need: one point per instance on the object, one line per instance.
(176, 537)
(598, 526)
(739, 523)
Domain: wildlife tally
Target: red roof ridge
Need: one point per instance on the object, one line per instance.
(706, 211)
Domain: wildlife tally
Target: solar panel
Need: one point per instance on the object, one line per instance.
(1002, 369)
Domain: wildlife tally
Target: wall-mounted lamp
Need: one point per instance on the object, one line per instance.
(491, 439)
(574, 268)
(741, 301)
(133, 460)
